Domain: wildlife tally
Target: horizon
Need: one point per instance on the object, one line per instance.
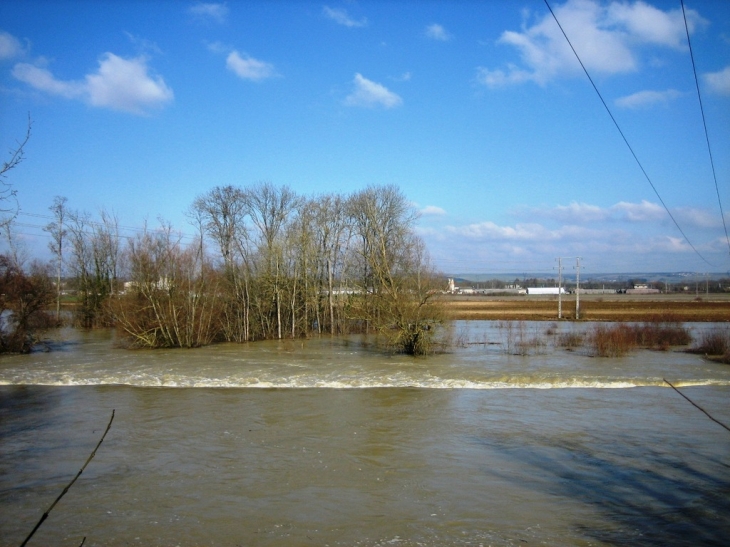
(478, 112)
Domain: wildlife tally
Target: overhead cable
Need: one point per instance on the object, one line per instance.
(624, 138)
(704, 123)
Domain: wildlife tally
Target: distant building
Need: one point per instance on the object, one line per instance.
(545, 290)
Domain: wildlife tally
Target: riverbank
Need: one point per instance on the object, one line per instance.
(620, 307)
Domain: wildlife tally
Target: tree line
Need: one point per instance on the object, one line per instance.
(266, 263)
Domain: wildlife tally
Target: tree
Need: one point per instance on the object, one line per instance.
(8, 202)
(396, 281)
(58, 232)
(220, 214)
(95, 249)
(24, 298)
(270, 208)
(173, 300)
(332, 233)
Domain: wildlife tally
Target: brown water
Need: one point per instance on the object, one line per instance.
(515, 456)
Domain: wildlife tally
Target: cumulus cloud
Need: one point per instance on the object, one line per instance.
(490, 231)
(119, 84)
(248, 68)
(647, 99)
(125, 84)
(645, 211)
(624, 236)
(582, 214)
(210, 11)
(432, 210)
(371, 94)
(437, 32)
(607, 38)
(341, 17)
(573, 212)
(10, 46)
(719, 82)
(43, 80)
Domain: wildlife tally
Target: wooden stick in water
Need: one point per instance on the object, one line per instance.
(45, 515)
(696, 405)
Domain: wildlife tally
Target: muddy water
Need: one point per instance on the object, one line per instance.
(328, 442)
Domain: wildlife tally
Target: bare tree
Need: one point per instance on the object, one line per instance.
(8, 201)
(170, 303)
(57, 231)
(221, 213)
(397, 284)
(24, 297)
(269, 209)
(94, 261)
(332, 235)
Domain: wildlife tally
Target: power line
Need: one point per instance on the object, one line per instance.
(624, 137)
(704, 123)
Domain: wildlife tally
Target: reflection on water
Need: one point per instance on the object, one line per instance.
(380, 466)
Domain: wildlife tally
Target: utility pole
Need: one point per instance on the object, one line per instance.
(560, 284)
(577, 288)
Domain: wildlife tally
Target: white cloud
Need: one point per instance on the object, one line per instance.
(432, 210)
(249, 68)
(645, 23)
(622, 237)
(645, 211)
(437, 32)
(490, 231)
(125, 84)
(119, 84)
(371, 94)
(341, 17)
(43, 80)
(719, 82)
(607, 38)
(10, 46)
(700, 218)
(213, 11)
(648, 98)
(581, 214)
(574, 212)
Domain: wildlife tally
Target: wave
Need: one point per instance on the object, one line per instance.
(361, 383)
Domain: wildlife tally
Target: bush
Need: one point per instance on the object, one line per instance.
(613, 341)
(24, 297)
(714, 342)
(570, 339)
(618, 340)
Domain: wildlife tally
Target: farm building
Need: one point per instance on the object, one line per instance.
(545, 290)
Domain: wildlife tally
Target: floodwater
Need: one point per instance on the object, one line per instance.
(330, 442)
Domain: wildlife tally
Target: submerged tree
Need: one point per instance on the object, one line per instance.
(172, 299)
(279, 265)
(396, 280)
(24, 297)
(57, 231)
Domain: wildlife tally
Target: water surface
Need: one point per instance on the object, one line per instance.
(327, 442)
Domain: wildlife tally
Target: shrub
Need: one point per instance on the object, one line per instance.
(714, 342)
(613, 341)
(570, 339)
(618, 340)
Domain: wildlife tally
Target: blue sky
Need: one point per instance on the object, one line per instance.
(478, 111)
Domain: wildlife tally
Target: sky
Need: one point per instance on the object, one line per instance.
(478, 111)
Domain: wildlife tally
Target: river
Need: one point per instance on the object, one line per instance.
(331, 442)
